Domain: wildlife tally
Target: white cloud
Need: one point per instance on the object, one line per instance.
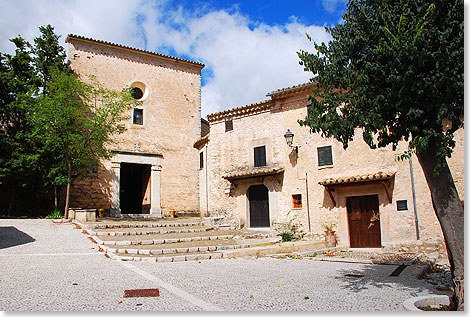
(246, 62)
(110, 20)
(246, 59)
(332, 5)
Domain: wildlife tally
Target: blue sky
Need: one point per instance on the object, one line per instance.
(249, 47)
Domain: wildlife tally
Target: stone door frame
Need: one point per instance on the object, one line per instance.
(152, 159)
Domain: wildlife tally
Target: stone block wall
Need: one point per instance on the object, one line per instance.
(171, 111)
(231, 150)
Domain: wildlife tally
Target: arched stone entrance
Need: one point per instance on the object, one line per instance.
(259, 206)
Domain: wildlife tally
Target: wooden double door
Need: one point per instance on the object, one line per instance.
(259, 206)
(364, 221)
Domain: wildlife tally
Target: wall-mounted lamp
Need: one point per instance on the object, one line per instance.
(289, 136)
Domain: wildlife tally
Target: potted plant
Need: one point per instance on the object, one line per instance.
(330, 237)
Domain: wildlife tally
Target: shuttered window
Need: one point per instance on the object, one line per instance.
(297, 201)
(201, 160)
(309, 108)
(325, 156)
(260, 156)
(228, 125)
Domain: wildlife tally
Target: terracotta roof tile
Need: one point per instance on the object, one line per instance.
(357, 178)
(246, 172)
(79, 37)
(291, 89)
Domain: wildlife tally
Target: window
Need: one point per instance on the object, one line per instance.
(138, 117)
(309, 108)
(402, 205)
(228, 125)
(297, 201)
(325, 157)
(201, 160)
(260, 156)
(137, 93)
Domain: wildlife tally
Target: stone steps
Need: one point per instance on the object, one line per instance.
(165, 240)
(144, 225)
(151, 240)
(147, 231)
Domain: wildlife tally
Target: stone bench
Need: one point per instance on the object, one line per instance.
(85, 215)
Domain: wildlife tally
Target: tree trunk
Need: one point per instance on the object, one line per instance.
(67, 195)
(12, 199)
(56, 203)
(450, 213)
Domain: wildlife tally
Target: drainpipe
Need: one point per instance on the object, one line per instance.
(308, 205)
(414, 195)
(207, 192)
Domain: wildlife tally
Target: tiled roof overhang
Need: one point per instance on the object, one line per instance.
(358, 178)
(201, 141)
(284, 92)
(175, 59)
(240, 111)
(253, 172)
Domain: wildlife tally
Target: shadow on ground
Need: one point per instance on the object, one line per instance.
(378, 276)
(10, 237)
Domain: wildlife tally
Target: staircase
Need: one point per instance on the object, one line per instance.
(173, 239)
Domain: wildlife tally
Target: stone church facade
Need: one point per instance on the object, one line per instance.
(251, 177)
(154, 165)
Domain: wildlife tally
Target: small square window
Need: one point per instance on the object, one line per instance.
(325, 156)
(201, 160)
(228, 125)
(138, 117)
(309, 109)
(402, 205)
(260, 156)
(297, 201)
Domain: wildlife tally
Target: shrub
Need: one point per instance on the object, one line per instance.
(290, 230)
(54, 215)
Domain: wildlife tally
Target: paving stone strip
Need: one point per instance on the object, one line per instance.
(149, 232)
(144, 225)
(162, 241)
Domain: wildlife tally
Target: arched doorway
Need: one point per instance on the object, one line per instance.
(259, 206)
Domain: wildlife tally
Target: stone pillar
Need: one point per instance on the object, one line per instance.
(115, 188)
(155, 208)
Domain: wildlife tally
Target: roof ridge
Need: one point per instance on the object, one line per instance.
(80, 37)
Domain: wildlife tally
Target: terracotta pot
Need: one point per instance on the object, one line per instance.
(330, 239)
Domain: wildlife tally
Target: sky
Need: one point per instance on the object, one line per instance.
(249, 47)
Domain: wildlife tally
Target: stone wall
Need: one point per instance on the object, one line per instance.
(171, 125)
(234, 149)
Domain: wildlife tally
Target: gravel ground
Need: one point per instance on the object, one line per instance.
(49, 267)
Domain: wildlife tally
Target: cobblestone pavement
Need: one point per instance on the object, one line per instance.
(54, 267)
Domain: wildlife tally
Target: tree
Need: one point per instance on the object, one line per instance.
(77, 120)
(18, 83)
(395, 69)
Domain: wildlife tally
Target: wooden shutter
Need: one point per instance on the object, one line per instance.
(201, 160)
(228, 125)
(260, 156)
(297, 201)
(325, 156)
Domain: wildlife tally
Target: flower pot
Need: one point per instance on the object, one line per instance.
(330, 239)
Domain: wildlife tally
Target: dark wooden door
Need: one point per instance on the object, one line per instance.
(259, 206)
(131, 188)
(364, 221)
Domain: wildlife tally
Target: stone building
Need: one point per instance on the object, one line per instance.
(251, 177)
(154, 166)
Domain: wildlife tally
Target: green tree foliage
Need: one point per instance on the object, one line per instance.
(395, 69)
(53, 126)
(77, 120)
